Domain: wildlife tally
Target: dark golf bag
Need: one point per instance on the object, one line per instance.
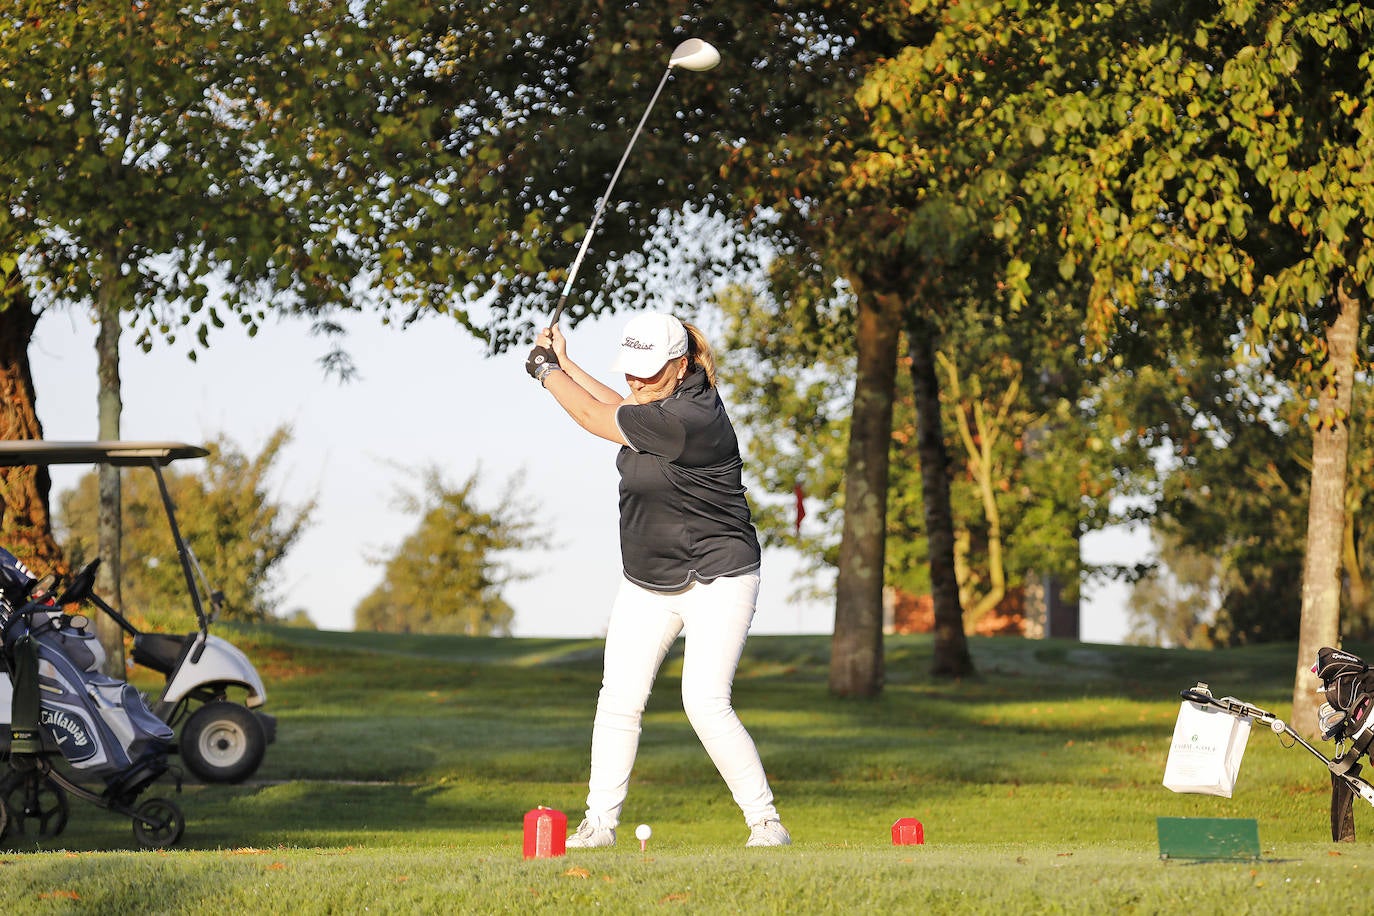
(102, 726)
(1348, 686)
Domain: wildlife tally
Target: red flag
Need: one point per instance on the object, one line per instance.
(801, 506)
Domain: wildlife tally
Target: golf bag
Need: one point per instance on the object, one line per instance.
(1347, 684)
(102, 726)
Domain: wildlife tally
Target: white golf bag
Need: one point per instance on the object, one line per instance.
(101, 725)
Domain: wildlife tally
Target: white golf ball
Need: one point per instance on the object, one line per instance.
(642, 832)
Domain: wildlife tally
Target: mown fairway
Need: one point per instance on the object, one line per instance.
(404, 766)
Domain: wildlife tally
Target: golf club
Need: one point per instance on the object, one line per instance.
(692, 54)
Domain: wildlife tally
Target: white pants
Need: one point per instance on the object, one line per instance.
(715, 618)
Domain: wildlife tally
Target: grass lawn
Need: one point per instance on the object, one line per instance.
(404, 766)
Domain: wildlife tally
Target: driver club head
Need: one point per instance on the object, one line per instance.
(694, 54)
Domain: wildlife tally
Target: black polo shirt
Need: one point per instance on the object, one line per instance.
(683, 516)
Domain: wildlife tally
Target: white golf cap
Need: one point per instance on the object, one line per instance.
(649, 341)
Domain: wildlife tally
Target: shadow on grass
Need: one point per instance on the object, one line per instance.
(308, 814)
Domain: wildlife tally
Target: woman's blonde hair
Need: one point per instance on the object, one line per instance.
(699, 353)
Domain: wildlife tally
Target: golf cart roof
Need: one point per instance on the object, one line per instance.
(20, 452)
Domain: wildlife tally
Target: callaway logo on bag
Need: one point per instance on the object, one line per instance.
(70, 734)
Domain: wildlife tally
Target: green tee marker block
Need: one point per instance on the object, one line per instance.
(1208, 838)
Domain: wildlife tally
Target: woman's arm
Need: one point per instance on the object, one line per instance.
(592, 414)
(553, 339)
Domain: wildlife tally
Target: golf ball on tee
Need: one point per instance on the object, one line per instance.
(642, 832)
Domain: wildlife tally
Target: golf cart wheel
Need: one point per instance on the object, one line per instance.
(36, 808)
(4, 818)
(223, 742)
(158, 822)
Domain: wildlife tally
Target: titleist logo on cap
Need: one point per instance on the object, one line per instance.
(636, 344)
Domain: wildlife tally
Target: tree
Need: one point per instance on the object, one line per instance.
(237, 530)
(846, 235)
(1215, 151)
(177, 167)
(856, 653)
(981, 426)
(1257, 141)
(24, 506)
(1357, 560)
(448, 574)
(858, 231)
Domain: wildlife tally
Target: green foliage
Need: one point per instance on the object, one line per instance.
(447, 575)
(1213, 151)
(237, 530)
(298, 618)
(280, 155)
(1198, 171)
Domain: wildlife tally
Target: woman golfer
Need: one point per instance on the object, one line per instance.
(690, 555)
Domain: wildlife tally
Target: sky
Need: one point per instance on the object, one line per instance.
(425, 396)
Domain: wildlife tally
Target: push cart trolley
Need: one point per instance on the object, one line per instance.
(1346, 781)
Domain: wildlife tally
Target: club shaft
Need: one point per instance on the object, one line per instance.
(605, 199)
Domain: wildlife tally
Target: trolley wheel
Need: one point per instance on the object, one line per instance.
(223, 742)
(158, 822)
(36, 807)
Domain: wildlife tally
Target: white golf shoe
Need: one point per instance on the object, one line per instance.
(769, 833)
(591, 836)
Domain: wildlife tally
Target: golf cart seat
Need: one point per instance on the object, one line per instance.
(162, 652)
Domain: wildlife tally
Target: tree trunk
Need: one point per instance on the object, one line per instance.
(1321, 585)
(979, 439)
(951, 658)
(25, 523)
(856, 648)
(109, 533)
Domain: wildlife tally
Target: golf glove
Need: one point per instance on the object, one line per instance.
(540, 363)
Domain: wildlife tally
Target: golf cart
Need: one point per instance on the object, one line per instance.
(220, 740)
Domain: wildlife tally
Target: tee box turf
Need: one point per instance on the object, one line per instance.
(1208, 838)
